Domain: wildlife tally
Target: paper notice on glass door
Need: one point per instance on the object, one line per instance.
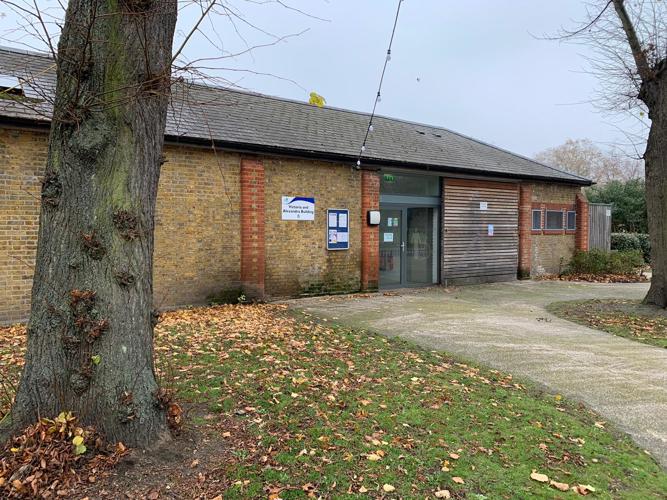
(388, 237)
(342, 220)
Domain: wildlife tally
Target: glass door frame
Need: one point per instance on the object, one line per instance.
(415, 202)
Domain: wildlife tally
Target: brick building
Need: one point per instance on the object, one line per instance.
(262, 195)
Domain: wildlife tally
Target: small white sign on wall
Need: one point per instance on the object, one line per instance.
(489, 230)
(483, 206)
(298, 208)
(608, 212)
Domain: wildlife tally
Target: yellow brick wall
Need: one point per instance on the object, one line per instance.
(197, 230)
(22, 160)
(197, 233)
(552, 252)
(297, 261)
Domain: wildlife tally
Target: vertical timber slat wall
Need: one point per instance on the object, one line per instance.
(473, 251)
(599, 226)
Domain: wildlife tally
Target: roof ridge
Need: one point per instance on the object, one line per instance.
(402, 120)
(257, 95)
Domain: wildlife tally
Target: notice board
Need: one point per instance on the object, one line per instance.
(338, 229)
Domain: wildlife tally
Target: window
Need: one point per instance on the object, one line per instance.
(410, 185)
(554, 220)
(571, 221)
(537, 220)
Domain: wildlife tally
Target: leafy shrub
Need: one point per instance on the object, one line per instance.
(628, 200)
(625, 262)
(600, 262)
(624, 242)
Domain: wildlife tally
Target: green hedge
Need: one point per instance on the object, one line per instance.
(625, 242)
(601, 262)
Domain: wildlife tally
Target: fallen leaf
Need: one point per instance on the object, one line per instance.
(388, 488)
(536, 476)
(559, 486)
(443, 494)
(373, 457)
(583, 489)
(454, 456)
(362, 489)
(458, 480)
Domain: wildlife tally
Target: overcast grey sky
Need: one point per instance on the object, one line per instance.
(473, 66)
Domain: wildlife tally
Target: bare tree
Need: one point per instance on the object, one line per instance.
(631, 43)
(90, 334)
(582, 157)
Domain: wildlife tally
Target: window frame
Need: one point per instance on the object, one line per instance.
(532, 220)
(546, 220)
(567, 220)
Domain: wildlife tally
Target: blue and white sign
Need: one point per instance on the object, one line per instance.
(298, 208)
(338, 229)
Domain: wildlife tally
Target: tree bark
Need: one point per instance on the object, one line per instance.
(654, 95)
(90, 335)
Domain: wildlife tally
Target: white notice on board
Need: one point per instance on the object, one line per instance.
(333, 236)
(342, 220)
(343, 237)
(483, 205)
(388, 237)
(333, 220)
(608, 213)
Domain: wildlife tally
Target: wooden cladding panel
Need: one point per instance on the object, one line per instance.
(468, 249)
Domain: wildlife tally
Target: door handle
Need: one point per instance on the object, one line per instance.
(402, 246)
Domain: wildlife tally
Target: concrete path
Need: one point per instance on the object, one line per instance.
(506, 326)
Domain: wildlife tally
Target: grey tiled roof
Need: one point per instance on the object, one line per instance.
(251, 121)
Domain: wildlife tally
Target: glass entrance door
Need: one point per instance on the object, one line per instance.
(391, 245)
(421, 246)
(408, 246)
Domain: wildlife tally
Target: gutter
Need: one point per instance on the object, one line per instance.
(30, 123)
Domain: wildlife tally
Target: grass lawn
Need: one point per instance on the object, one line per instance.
(300, 409)
(626, 318)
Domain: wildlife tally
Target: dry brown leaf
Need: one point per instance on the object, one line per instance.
(559, 486)
(458, 480)
(388, 488)
(443, 494)
(541, 478)
(583, 489)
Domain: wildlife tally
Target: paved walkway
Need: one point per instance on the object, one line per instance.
(505, 326)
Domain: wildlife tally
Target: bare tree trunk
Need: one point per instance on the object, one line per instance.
(90, 336)
(654, 94)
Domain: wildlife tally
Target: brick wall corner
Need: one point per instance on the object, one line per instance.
(525, 227)
(581, 234)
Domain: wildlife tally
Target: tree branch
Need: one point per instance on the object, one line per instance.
(643, 67)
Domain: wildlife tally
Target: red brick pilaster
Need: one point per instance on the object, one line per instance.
(581, 235)
(370, 235)
(252, 228)
(525, 227)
